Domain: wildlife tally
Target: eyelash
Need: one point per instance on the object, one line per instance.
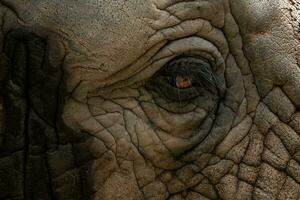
(200, 78)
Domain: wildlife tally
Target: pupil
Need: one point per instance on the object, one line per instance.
(183, 82)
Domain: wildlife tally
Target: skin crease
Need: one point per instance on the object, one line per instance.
(92, 127)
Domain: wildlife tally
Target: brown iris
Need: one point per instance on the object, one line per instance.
(183, 82)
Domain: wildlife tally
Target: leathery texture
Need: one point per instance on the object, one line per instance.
(85, 113)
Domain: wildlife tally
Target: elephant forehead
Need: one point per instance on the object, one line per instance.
(114, 30)
(92, 22)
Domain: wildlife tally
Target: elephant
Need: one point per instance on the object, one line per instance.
(149, 99)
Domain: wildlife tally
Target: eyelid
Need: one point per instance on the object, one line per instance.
(193, 46)
(167, 51)
(195, 65)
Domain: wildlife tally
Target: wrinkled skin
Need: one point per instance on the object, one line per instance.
(84, 117)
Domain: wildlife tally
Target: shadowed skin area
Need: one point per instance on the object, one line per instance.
(155, 99)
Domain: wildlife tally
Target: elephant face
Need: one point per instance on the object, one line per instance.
(157, 99)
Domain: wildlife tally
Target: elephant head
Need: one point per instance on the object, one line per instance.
(156, 99)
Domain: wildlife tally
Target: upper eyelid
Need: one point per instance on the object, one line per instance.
(191, 45)
(201, 67)
(187, 71)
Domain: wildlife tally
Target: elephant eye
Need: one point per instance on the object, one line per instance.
(184, 78)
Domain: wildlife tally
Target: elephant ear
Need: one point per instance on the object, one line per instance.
(34, 156)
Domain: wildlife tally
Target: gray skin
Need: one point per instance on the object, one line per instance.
(83, 117)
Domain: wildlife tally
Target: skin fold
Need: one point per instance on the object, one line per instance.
(88, 108)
